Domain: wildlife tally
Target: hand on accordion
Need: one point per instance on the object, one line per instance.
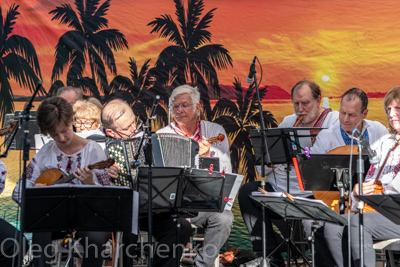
(113, 171)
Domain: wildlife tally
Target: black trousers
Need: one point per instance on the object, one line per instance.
(251, 213)
(167, 251)
(93, 243)
(9, 247)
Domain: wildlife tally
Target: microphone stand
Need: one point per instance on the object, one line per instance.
(264, 149)
(360, 174)
(25, 117)
(149, 160)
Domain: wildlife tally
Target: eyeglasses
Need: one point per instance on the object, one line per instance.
(183, 105)
(86, 124)
(137, 130)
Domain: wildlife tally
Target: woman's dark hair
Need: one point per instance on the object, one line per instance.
(53, 111)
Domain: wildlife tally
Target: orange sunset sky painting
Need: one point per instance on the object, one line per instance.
(338, 44)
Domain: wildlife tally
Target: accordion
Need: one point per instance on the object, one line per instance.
(124, 151)
(173, 150)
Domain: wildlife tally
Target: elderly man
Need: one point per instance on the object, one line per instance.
(352, 114)
(185, 102)
(71, 94)
(306, 99)
(119, 122)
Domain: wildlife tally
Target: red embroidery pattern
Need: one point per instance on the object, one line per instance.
(371, 171)
(30, 168)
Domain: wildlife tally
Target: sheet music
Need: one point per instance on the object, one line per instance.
(282, 194)
(234, 191)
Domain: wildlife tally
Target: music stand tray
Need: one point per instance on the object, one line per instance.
(81, 207)
(180, 189)
(283, 143)
(299, 208)
(319, 173)
(387, 205)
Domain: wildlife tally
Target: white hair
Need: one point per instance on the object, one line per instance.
(186, 89)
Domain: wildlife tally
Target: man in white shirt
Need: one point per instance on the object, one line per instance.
(352, 114)
(185, 101)
(120, 122)
(306, 99)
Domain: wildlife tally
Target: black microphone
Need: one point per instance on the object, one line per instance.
(373, 158)
(250, 78)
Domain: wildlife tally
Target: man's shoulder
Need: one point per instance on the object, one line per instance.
(166, 129)
(211, 124)
(376, 124)
(331, 119)
(288, 121)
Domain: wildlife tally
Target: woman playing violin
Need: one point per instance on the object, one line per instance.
(70, 154)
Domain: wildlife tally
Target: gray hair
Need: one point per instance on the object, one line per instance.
(78, 91)
(186, 89)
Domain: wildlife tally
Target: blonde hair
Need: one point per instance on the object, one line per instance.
(393, 94)
(86, 109)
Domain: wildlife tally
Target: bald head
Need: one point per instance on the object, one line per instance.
(118, 119)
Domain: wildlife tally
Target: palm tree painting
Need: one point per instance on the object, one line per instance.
(237, 119)
(189, 60)
(18, 61)
(137, 91)
(89, 41)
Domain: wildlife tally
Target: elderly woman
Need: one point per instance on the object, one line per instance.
(87, 115)
(384, 174)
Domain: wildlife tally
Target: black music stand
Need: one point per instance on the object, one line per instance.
(284, 143)
(94, 208)
(327, 172)
(82, 207)
(387, 205)
(298, 209)
(183, 190)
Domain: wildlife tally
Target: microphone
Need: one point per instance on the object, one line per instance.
(154, 106)
(373, 158)
(250, 78)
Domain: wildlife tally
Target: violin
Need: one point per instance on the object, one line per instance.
(9, 129)
(55, 176)
(216, 139)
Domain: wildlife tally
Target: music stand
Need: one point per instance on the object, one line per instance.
(387, 205)
(81, 207)
(284, 143)
(327, 172)
(298, 209)
(182, 190)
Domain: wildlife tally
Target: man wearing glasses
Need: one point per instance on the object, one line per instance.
(185, 101)
(120, 122)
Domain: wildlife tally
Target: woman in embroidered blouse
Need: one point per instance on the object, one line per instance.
(386, 171)
(72, 155)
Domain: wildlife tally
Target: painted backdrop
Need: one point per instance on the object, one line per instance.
(139, 49)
